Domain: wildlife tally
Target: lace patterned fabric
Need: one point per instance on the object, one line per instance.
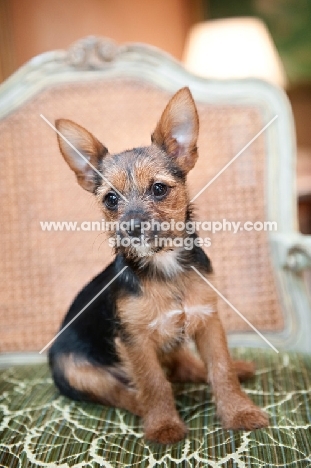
(39, 428)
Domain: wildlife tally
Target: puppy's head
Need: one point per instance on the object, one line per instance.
(140, 189)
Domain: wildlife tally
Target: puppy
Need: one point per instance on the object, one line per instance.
(132, 323)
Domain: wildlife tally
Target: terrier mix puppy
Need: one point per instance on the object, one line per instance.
(131, 341)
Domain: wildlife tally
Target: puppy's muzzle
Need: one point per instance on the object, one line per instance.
(135, 229)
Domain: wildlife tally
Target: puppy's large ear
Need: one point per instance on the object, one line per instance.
(178, 128)
(87, 145)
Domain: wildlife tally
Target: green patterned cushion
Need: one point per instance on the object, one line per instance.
(39, 428)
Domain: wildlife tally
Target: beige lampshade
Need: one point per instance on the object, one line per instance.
(233, 48)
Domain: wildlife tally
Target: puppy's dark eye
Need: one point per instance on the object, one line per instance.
(111, 201)
(159, 190)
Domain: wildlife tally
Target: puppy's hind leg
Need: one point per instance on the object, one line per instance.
(81, 380)
(184, 366)
(244, 369)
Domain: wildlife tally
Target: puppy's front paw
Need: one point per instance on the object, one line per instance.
(249, 418)
(166, 432)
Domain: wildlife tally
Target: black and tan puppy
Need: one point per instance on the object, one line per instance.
(131, 341)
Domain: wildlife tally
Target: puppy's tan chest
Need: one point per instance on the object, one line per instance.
(181, 322)
(168, 312)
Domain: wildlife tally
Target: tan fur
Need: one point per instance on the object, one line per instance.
(184, 366)
(86, 144)
(155, 395)
(158, 298)
(170, 309)
(99, 384)
(142, 176)
(179, 110)
(234, 407)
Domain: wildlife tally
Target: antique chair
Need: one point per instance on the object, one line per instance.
(118, 93)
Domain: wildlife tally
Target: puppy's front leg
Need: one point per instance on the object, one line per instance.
(161, 420)
(234, 407)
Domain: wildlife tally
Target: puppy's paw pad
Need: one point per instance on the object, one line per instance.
(167, 433)
(248, 419)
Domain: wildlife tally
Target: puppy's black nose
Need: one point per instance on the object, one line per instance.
(135, 228)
